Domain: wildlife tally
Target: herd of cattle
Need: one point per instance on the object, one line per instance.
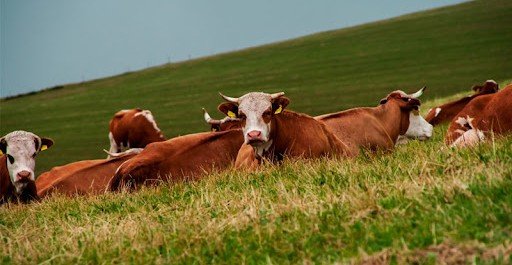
(256, 128)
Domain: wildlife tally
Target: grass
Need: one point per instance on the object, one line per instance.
(448, 49)
(423, 203)
(420, 198)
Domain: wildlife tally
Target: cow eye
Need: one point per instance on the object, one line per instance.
(241, 116)
(11, 159)
(406, 99)
(267, 113)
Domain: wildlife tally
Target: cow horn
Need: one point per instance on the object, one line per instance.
(125, 153)
(419, 93)
(229, 99)
(276, 95)
(209, 119)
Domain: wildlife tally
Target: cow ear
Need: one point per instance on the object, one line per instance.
(46, 143)
(228, 108)
(279, 104)
(414, 103)
(3, 146)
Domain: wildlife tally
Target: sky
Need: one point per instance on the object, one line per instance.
(53, 42)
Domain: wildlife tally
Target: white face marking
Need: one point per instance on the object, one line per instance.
(491, 81)
(253, 105)
(21, 147)
(470, 137)
(147, 114)
(419, 128)
(438, 110)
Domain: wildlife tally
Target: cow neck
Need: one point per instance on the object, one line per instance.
(6, 187)
(282, 134)
(393, 119)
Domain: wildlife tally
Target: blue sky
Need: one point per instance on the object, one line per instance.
(51, 42)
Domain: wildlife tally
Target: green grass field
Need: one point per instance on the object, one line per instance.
(423, 203)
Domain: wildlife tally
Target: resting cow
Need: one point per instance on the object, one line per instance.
(481, 118)
(133, 128)
(448, 111)
(380, 127)
(181, 158)
(274, 133)
(86, 177)
(19, 149)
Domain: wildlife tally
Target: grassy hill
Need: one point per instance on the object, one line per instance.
(423, 203)
(448, 49)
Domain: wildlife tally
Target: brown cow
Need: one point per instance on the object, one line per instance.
(274, 133)
(481, 118)
(19, 149)
(86, 177)
(448, 111)
(133, 128)
(378, 128)
(181, 158)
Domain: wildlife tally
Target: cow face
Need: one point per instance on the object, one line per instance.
(255, 111)
(21, 148)
(418, 127)
(489, 87)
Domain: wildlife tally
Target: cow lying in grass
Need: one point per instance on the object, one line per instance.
(19, 149)
(273, 133)
(134, 128)
(181, 158)
(483, 117)
(83, 177)
(380, 127)
(448, 111)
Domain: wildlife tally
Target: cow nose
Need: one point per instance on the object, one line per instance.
(23, 175)
(254, 134)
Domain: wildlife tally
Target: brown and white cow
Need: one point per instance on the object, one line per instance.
(181, 158)
(274, 133)
(481, 118)
(446, 112)
(227, 123)
(88, 177)
(19, 149)
(134, 128)
(379, 128)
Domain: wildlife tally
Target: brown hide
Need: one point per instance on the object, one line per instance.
(7, 190)
(296, 135)
(490, 113)
(449, 110)
(182, 158)
(133, 131)
(375, 128)
(79, 178)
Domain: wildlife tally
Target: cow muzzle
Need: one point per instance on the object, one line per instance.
(23, 176)
(255, 137)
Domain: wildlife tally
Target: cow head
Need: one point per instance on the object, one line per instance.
(255, 111)
(227, 123)
(489, 87)
(21, 148)
(418, 127)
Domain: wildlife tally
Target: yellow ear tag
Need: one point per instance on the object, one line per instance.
(1, 153)
(44, 147)
(231, 114)
(279, 110)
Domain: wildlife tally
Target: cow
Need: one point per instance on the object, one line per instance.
(181, 158)
(379, 128)
(484, 117)
(17, 163)
(227, 123)
(446, 112)
(274, 133)
(134, 128)
(88, 177)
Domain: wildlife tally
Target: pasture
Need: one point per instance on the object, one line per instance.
(423, 203)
